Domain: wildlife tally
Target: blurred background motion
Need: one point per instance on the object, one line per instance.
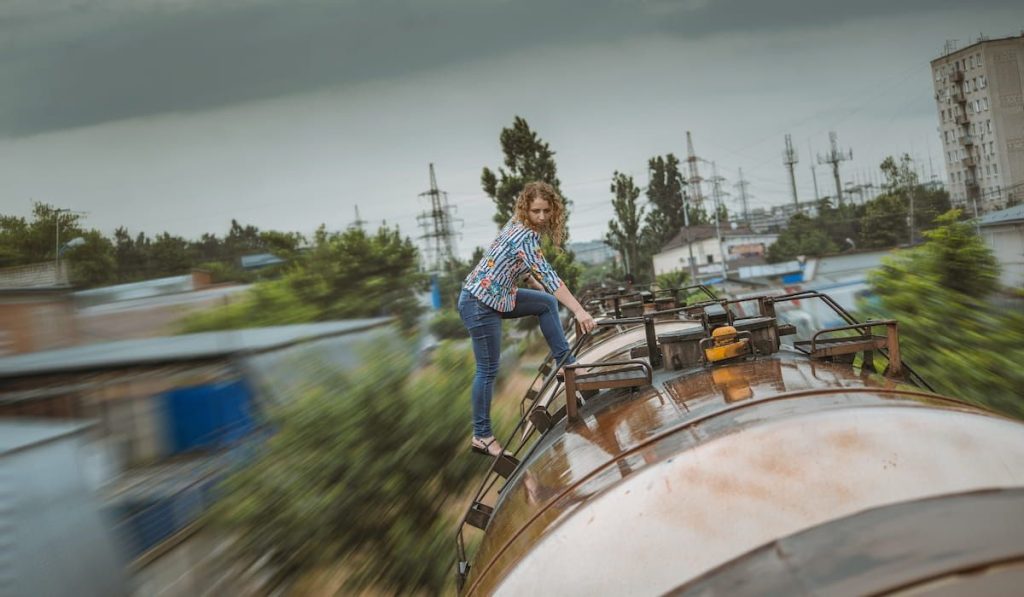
(232, 235)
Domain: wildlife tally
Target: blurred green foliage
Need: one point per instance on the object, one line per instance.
(674, 279)
(343, 276)
(447, 325)
(363, 475)
(950, 331)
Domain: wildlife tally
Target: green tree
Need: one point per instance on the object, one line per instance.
(624, 231)
(168, 256)
(949, 331)
(131, 255)
(929, 204)
(884, 223)
(527, 158)
(93, 261)
(33, 241)
(344, 275)
(900, 176)
(803, 236)
(665, 195)
(364, 475)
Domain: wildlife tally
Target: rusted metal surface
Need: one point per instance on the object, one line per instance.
(705, 465)
(917, 544)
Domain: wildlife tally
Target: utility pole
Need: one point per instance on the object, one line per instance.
(834, 157)
(686, 230)
(814, 175)
(716, 193)
(910, 195)
(695, 179)
(437, 228)
(742, 186)
(789, 159)
(56, 248)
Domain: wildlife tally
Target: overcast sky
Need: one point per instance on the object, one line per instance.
(179, 115)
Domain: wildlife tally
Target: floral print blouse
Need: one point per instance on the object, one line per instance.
(515, 252)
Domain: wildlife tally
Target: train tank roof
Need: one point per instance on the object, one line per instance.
(650, 486)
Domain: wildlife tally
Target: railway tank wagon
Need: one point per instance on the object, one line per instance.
(699, 453)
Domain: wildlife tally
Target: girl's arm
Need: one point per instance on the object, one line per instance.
(586, 320)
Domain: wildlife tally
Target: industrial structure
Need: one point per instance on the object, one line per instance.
(980, 103)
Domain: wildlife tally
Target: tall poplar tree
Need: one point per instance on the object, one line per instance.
(527, 159)
(624, 231)
(665, 193)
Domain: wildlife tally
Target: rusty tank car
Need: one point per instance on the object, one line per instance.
(699, 452)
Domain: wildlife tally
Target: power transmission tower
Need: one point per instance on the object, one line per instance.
(834, 157)
(742, 187)
(438, 237)
(695, 179)
(789, 159)
(358, 223)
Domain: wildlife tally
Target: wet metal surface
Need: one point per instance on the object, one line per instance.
(661, 471)
(882, 550)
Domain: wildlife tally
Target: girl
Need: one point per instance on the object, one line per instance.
(489, 295)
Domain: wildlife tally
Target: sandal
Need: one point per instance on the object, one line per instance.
(484, 446)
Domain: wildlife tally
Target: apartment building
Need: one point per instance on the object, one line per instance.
(981, 121)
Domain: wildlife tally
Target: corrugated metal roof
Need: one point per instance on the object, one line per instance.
(1003, 216)
(185, 347)
(23, 433)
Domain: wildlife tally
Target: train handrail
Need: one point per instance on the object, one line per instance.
(850, 320)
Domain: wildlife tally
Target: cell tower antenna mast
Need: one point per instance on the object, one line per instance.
(789, 159)
(834, 157)
(437, 223)
(741, 186)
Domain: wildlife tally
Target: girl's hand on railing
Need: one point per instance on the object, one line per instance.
(585, 321)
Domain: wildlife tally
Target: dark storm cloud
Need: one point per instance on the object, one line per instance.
(83, 62)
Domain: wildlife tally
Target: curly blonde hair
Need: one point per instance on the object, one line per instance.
(555, 226)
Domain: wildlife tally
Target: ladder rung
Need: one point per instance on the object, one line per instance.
(479, 515)
(506, 465)
(623, 378)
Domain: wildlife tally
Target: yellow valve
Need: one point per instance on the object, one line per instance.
(726, 345)
(724, 335)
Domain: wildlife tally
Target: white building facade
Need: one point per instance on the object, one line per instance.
(980, 104)
(1003, 232)
(736, 245)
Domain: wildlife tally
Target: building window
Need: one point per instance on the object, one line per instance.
(981, 81)
(995, 168)
(977, 106)
(978, 58)
(988, 126)
(711, 258)
(984, 103)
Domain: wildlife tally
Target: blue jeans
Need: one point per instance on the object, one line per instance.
(484, 325)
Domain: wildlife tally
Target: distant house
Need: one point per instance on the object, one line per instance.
(740, 246)
(1003, 232)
